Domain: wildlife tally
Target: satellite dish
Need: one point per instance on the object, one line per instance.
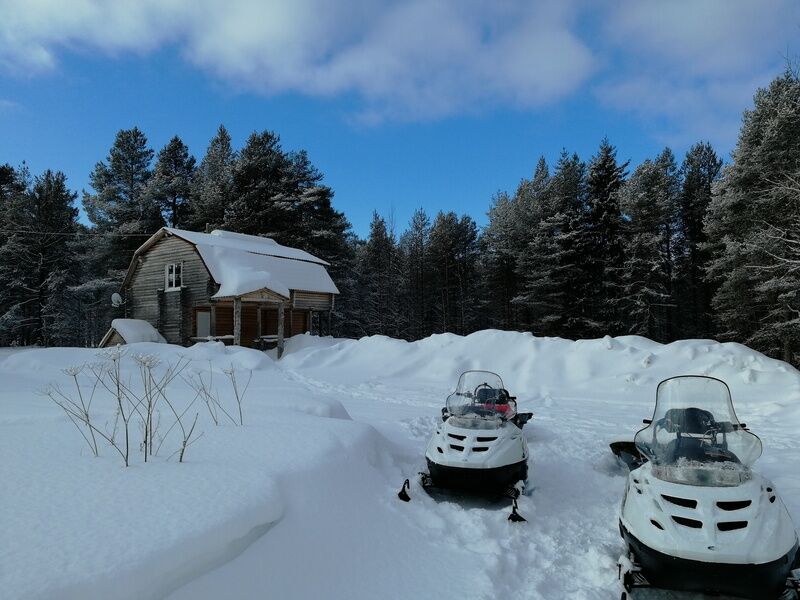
(116, 300)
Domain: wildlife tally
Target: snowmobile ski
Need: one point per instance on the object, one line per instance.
(515, 517)
(403, 493)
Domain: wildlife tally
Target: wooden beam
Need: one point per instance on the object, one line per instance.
(310, 324)
(258, 314)
(212, 329)
(237, 321)
(280, 329)
(330, 321)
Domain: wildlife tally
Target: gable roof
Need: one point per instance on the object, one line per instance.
(241, 263)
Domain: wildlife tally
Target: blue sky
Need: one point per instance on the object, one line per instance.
(400, 104)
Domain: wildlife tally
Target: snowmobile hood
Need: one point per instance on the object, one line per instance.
(743, 524)
(472, 448)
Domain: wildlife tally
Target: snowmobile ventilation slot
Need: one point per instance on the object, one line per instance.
(731, 525)
(688, 522)
(684, 502)
(734, 505)
(455, 436)
(479, 449)
(486, 439)
(457, 447)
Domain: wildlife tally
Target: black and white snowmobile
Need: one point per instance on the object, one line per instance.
(695, 517)
(479, 446)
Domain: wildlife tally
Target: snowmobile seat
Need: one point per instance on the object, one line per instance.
(688, 420)
(498, 399)
(696, 450)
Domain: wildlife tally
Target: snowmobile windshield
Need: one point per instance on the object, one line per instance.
(480, 400)
(695, 437)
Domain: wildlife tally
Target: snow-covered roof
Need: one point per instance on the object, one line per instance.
(244, 243)
(241, 263)
(136, 330)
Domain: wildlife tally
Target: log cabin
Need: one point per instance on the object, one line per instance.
(240, 289)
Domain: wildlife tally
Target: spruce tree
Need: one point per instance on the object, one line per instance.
(650, 202)
(453, 251)
(551, 264)
(261, 203)
(170, 185)
(212, 186)
(38, 263)
(699, 172)
(416, 278)
(498, 265)
(378, 280)
(603, 247)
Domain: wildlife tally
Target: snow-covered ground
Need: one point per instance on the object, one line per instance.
(300, 502)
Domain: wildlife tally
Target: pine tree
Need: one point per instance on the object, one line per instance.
(170, 185)
(212, 186)
(119, 208)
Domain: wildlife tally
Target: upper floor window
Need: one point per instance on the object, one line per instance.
(173, 276)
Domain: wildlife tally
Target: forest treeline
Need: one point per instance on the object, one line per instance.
(671, 248)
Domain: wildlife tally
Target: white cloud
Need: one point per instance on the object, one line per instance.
(688, 68)
(682, 65)
(413, 59)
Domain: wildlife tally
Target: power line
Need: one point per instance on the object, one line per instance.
(73, 233)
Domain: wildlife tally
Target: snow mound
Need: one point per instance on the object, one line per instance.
(534, 367)
(330, 431)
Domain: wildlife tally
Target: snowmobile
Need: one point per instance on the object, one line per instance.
(694, 516)
(479, 446)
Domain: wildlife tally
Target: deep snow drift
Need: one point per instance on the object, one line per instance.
(300, 501)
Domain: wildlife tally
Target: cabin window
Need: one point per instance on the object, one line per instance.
(173, 276)
(203, 324)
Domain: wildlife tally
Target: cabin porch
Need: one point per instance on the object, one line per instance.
(259, 323)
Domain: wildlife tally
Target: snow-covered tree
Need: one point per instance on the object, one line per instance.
(751, 226)
(649, 201)
(38, 262)
(551, 263)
